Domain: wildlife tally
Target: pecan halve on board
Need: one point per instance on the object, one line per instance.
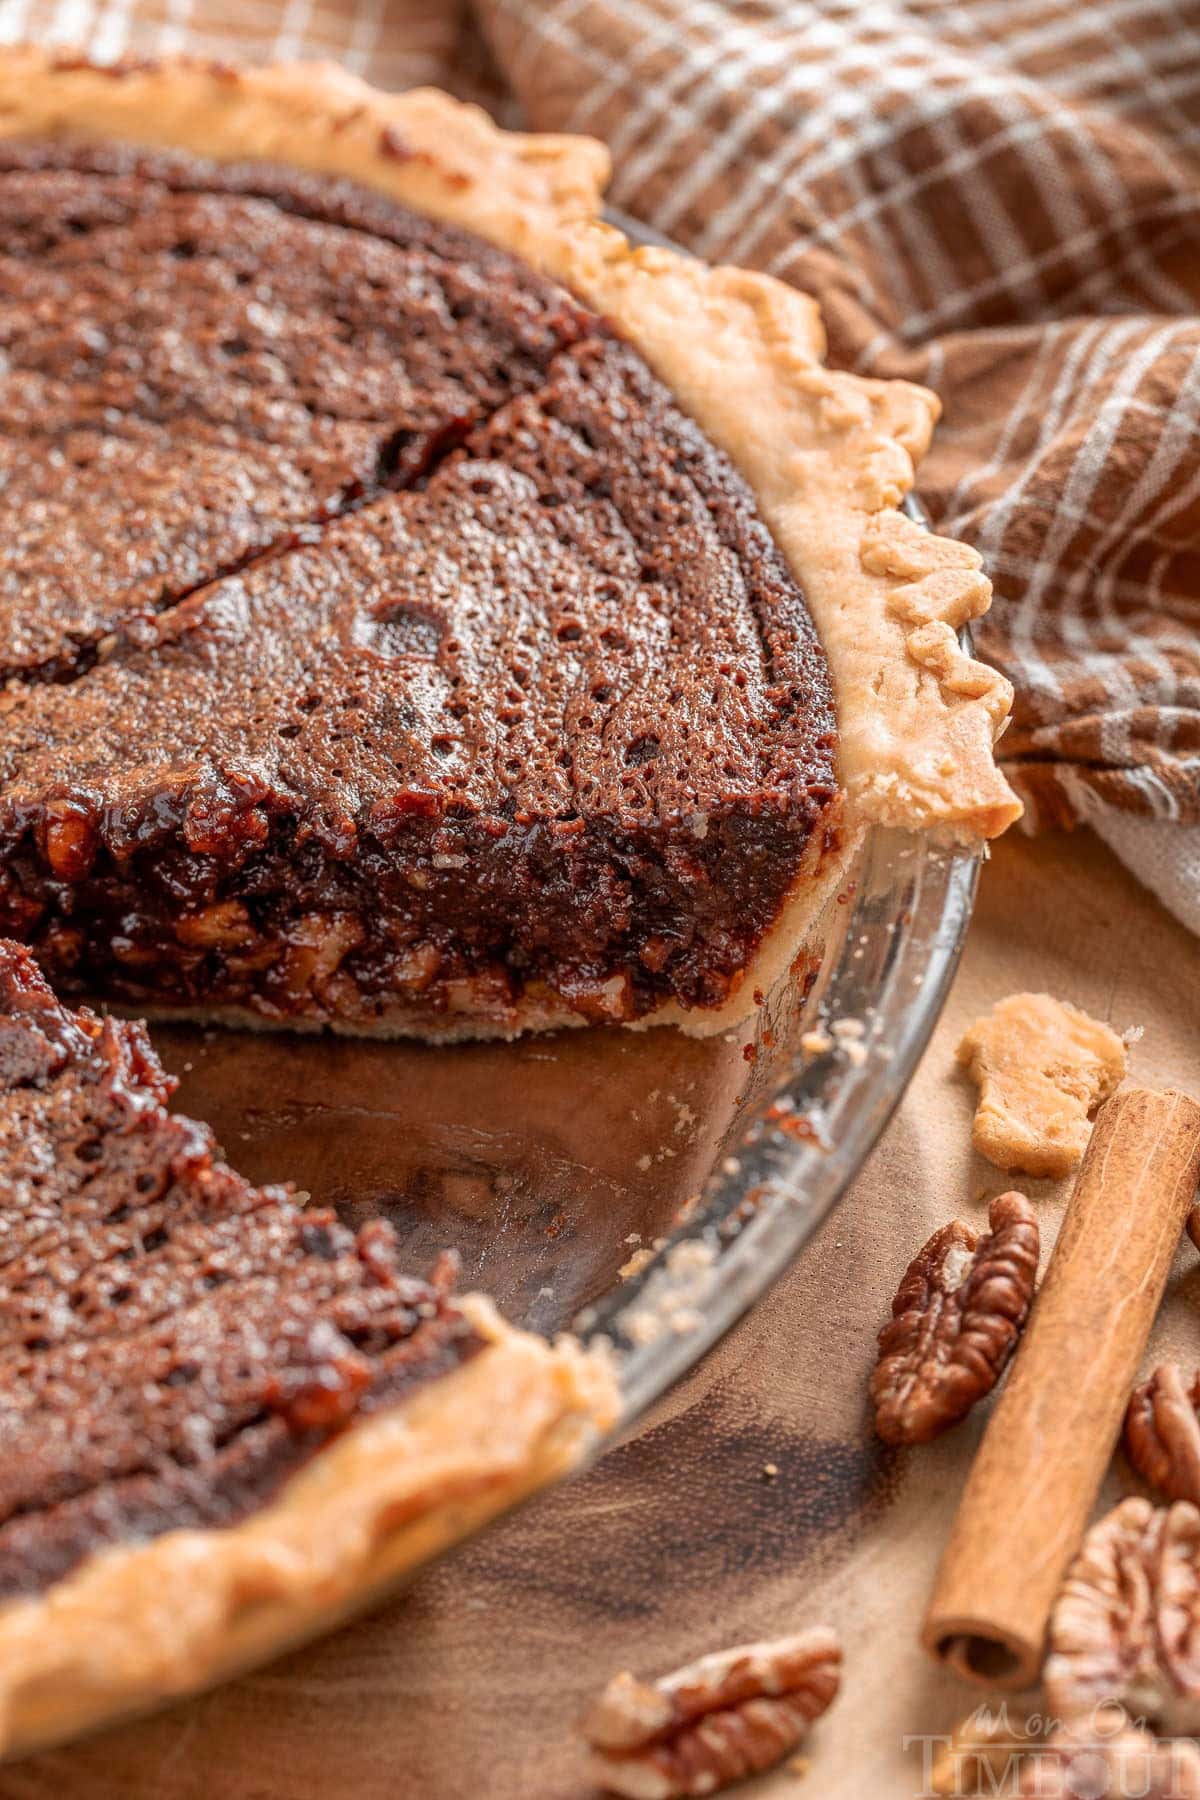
(726, 1716)
(955, 1322)
(1126, 1626)
(1162, 1432)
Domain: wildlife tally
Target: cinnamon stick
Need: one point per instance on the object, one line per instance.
(1048, 1443)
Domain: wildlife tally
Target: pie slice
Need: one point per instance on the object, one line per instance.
(423, 613)
(225, 1419)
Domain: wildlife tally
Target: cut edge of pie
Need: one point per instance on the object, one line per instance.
(829, 456)
(819, 873)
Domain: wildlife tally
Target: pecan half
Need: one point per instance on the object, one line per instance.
(727, 1716)
(955, 1322)
(1162, 1432)
(1105, 1754)
(222, 926)
(70, 839)
(1042, 1066)
(1126, 1626)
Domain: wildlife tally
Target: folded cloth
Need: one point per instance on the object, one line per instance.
(1000, 198)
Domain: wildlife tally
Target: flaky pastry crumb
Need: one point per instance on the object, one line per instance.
(1042, 1066)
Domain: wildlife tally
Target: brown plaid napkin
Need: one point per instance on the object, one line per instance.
(998, 197)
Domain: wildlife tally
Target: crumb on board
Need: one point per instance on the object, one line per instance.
(1042, 1067)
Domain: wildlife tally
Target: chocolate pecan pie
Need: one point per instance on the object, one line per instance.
(419, 612)
(222, 1416)
(407, 590)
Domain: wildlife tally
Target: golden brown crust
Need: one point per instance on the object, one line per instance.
(829, 455)
(1042, 1067)
(148, 1622)
(426, 150)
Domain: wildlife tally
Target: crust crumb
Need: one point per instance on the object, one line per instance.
(1042, 1066)
(636, 1262)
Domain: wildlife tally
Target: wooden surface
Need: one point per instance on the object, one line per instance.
(679, 1541)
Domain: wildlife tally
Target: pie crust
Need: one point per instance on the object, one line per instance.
(828, 455)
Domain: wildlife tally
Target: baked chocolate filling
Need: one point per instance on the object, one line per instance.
(174, 1343)
(544, 724)
(203, 362)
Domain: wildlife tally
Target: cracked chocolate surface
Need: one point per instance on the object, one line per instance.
(201, 362)
(397, 638)
(174, 1343)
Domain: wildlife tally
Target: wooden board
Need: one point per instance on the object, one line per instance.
(678, 1541)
